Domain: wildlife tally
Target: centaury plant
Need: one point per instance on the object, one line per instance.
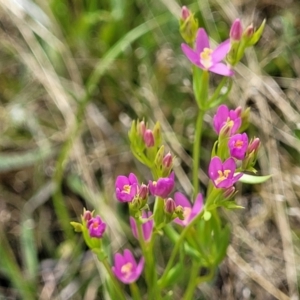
(194, 227)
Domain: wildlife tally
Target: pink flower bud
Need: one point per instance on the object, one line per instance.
(254, 145)
(167, 160)
(185, 13)
(238, 111)
(229, 192)
(143, 191)
(87, 215)
(249, 31)
(170, 206)
(236, 31)
(149, 138)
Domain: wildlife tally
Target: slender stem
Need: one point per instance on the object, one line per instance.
(150, 267)
(135, 292)
(114, 280)
(192, 282)
(196, 151)
(177, 246)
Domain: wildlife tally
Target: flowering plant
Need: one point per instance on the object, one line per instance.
(199, 238)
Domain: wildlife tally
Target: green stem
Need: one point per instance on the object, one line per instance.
(150, 267)
(92, 84)
(196, 151)
(135, 292)
(192, 282)
(114, 280)
(177, 246)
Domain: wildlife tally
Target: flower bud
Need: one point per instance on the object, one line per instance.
(248, 33)
(229, 192)
(143, 191)
(148, 138)
(185, 13)
(142, 128)
(254, 145)
(157, 134)
(170, 206)
(167, 160)
(179, 211)
(238, 111)
(188, 26)
(236, 31)
(87, 215)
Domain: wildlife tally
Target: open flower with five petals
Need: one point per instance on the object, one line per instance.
(226, 117)
(223, 174)
(126, 269)
(126, 187)
(206, 58)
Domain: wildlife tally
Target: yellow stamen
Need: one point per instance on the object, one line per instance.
(126, 269)
(127, 188)
(222, 176)
(238, 144)
(205, 58)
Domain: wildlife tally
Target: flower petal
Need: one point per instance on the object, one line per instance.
(221, 69)
(198, 205)
(229, 164)
(220, 52)
(215, 165)
(128, 257)
(121, 181)
(180, 199)
(133, 227)
(119, 261)
(190, 54)
(202, 41)
(132, 179)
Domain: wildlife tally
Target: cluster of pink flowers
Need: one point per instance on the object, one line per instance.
(227, 123)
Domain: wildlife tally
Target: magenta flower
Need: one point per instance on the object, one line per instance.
(226, 117)
(206, 58)
(126, 188)
(189, 212)
(163, 186)
(126, 269)
(96, 227)
(238, 145)
(147, 227)
(222, 174)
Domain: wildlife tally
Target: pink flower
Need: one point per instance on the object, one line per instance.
(222, 174)
(96, 227)
(189, 211)
(238, 145)
(126, 187)
(206, 58)
(126, 269)
(147, 227)
(225, 117)
(163, 186)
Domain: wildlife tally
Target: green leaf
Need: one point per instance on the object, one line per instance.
(251, 179)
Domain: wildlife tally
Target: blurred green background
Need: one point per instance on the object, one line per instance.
(73, 75)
